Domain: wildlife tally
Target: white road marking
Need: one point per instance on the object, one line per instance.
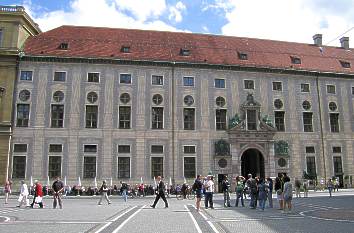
(6, 218)
(125, 221)
(194, 221)
(209, 222)
(118, 217)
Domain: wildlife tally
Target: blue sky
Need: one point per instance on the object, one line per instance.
(287, 20)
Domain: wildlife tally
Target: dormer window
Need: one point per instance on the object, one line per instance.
(345, 64)
(242, 56)
(295, 60)
(125, 49)
(184, 52)
(64, 46)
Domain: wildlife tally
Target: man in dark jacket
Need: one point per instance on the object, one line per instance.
(226, 190)
(58, 188)
(160, 192)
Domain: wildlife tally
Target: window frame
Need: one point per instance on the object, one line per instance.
(59, 71)
(220, 83)
(97, 117)
(124, 83)
(61, 165)
(58, 120)
(83, 166)
(303, 122)
(12, 166)
(157, 84)
(188, 78)
(163, 167)
(124, 121)
(282, 123)
(193, 120)
(195, 149)
(29, 116)
(125, 145)
(315, 163)
(55, 152)
(277, 82)
(88, 76)
(245, 87)
(130, 167)
(157, 122)
(26, 71)
(329, 86)
(195, 167)
(302, 88)
(220, 125)
(334, 128)
(89, 152)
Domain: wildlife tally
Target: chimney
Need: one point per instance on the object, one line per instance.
(344, 42)
(317, 39)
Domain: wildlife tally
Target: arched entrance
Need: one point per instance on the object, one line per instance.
(252, 162)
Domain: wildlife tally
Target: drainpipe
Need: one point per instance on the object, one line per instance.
(173, 120)
(321, 127)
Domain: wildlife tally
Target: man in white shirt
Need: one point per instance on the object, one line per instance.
(22, 200)
(209, 191)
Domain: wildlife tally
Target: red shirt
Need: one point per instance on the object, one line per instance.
(39, 190)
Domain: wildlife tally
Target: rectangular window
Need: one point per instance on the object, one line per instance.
(93, 77)
(220, 118)
(307, 119)
(279, 120)
(251, 120)
(123, 167)
(189, 167)
(295, 60)
(157, 80)
(91, 116)
(337, 149)
(55, 148)
(249, 84)
(189, 118)
(26, 75)
(59, 76)
(125, 78)
(331, 89)
(124, 149)
(20, 148)
(188, 81)
(19, 167)
(189, 149)
(334, 122)
(57, 120)
(311, 165)
(157, 118)
(310, 149)
(156, 149)
(0, 37)
(352, 90)
(337, 165)
(90, 148)
(22, 115)
(54, 166)
(277, 86)
(242, 56)
(124, 117)
(89, 167)
(219, 83)
(305, 87)
(156, 166)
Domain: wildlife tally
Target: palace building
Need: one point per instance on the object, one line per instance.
(133, 104)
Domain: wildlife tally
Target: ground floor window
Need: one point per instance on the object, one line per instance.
(54, 166)
(337, 165)
(189, 167)
(89, 167)
(156, 166)
(19, 167)
(311, 165)
(123, 167)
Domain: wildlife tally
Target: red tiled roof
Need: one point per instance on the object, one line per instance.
(95, 42)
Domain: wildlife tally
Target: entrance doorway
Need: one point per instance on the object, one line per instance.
(252, 162)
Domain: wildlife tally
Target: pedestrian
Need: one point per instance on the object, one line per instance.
(262, 193)
(239, 190)
(336, 184)
(330, 187)
(197, 187)
(124, 190)
(209, 191)
(278, 187)
(305, 186)
(58, 188)
(184, 190)
(269, 185)
(297, 187)
(38, 194)
(103, 191)
(7, 190)
(252, 186)
(226, 190)
(288, 194)
(23, 198)
(160, 192)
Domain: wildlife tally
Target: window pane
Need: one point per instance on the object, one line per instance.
(188, 81)
(337, 164)
(220, 83)
(93, 77)
(57, 116)
(26, 75)
(279, 121)
(91, 116)
(20, 148)
(124, 149)
(277, 86)
(59, 76)
(189, 149)
(305, 87)
(311, 165)
(156, 149)
(123, 167)
(334, 122)
(156, 166)
(249, 84)
(89, 167)
(157, 118)
(124, 117)
(189, 118)
(157, 80)
(220, 119)
(337, 149)
(125, 78)
(19, 167)
(310, 149)
(22, 115)
(331, 89)
(307, 119)
(251, 120)
(189, 167)
(56, 148)
(54, 167)
(90, 148)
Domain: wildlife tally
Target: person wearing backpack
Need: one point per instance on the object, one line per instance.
(239, 190)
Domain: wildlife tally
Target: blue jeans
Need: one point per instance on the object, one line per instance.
(262, 203)
(124, 195)
(209, 200)
(239, 194)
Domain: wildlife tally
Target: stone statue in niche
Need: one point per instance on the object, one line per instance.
(222, 148)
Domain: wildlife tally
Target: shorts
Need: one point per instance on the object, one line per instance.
(198, 193)
(287, 199)
(280, 197)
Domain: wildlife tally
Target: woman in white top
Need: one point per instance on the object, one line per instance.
(209, 190)
(23, 198)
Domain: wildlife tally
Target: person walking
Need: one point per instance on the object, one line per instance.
(38, 194)
(297, 187)
(209, 191)
(252, 186)
(160, 192)
(124, 190)
(239, 190)
(103, 191)
(23, 198)
(330, 187)
(288, 194)
(278, 187)
(305, 185)
(226, 190)
(269, 186)
(7, 190)
(58, 188)
(197, 187)
(262, 193)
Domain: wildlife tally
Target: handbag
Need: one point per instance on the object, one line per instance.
(38, 199)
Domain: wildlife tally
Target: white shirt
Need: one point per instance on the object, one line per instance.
(24, 190)
(209, 186)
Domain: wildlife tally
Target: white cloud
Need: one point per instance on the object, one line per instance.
(287, 20)
(176, 12)
(143, 9)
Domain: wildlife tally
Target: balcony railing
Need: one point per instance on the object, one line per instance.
(12, 8)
